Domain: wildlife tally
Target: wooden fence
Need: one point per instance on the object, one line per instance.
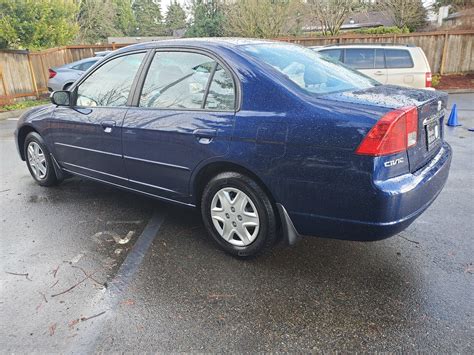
(25, 73)
(448, 52)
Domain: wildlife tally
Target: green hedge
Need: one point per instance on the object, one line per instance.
(383, 30)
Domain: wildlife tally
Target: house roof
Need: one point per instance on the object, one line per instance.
(368, 19)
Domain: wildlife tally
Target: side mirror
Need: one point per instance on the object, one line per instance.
(61, 98)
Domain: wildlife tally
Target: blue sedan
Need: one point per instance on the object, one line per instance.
(269, 140)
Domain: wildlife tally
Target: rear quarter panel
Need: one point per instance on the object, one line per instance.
(296, 143)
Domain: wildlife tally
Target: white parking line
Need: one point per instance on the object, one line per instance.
(106, 301)
(13, 119)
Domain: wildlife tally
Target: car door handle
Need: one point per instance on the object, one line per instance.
(107, 126)
(379, 72)
(205, 136)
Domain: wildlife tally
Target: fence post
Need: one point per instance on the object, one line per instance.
(443, 55)
(32, 74)
(5, 90)
(42, 69)
(113, 46)
(64, 54)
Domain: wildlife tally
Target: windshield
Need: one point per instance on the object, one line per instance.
(309, 70)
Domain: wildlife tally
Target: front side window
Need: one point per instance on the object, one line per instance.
(177, 80)
(360, 58)
(398, 58)
(311, 71)
(110, 84)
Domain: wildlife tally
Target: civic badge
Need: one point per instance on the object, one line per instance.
(440, 105)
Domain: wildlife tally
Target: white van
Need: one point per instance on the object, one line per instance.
(403, 65)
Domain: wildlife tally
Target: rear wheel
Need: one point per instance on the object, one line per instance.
(238, 215)
(38, 160)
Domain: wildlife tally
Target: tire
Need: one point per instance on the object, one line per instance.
(67, 86)
(39, 155)
(238, 215)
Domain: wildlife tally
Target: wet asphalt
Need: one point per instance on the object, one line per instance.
(85, 267)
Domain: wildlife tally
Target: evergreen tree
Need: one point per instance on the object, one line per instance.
(175, 17)
(208, 19)
(148, 18)
(97, 21)
(125, 19)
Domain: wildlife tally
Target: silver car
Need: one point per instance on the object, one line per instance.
(61, 78)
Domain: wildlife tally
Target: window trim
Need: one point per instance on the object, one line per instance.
(101, 63)
(188, 49)
(383, 56)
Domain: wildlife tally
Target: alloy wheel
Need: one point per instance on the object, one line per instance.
(37, 160)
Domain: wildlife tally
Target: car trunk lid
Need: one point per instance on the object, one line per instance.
(431, 107)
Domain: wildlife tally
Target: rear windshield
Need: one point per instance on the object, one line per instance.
(311, 71)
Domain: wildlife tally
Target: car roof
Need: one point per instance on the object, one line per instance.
(209, 43)
(367, 45)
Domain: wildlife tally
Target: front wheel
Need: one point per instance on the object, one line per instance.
(238, 215)
(39, 160)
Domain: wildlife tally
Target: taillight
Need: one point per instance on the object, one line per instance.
(428, 80)
(393, 133)
(52, 73)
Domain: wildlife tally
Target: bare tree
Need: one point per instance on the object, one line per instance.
(404, 13)
(331, 14)
(263, 18)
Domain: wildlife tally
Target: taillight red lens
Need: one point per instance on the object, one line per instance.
(393, 133)
(428, 80)
(52, 73)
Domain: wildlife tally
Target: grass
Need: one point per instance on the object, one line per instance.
(23, 104)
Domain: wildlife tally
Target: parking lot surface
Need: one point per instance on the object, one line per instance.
(85, 267)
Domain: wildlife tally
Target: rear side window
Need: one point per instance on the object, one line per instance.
(332, 53)
(179, 80)
(221, 92)
(85, 65)
(360, 58)
(176, 80)
(398, 58)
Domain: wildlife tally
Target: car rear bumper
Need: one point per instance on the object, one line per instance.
(398, 202)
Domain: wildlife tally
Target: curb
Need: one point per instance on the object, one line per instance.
(13, 114)
(458, 91)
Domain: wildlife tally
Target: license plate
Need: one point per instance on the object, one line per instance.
(432, 133)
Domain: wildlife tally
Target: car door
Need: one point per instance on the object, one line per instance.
(369, 61)
(87, 135)
(400, 67)
(184, 115)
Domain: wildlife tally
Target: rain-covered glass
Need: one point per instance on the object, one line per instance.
(177, 80)
(110, 84)
(311, 71)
